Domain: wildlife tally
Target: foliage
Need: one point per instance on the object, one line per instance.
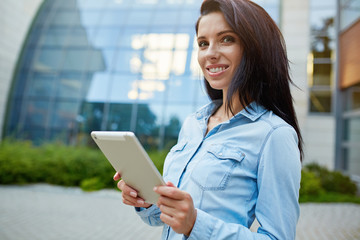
(318, 184)
(92, 184)
(310, 184)
(55, 163)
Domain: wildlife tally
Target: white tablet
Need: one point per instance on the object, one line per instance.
(128, 157)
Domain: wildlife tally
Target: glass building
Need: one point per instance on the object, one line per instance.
(348, 89)
(108, 65)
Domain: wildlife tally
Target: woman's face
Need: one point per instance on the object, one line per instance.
(220, 51)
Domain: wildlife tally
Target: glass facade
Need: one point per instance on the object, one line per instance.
(322, 57)
(109, 65)
(349, 115)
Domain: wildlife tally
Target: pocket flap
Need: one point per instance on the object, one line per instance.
(226, 152)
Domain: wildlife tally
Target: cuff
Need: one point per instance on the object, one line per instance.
(203, 227)
(146, 212)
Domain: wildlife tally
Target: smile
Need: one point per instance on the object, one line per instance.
(214, 70)
(218, 69)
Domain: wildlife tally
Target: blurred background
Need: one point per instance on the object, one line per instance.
(68, 67)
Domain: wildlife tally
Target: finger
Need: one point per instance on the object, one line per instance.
(168, 210)
(117, 176)
(126, 189)
(170, 192)
(168, 220)
(136, 202)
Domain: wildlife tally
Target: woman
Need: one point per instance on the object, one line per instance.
(238, 157)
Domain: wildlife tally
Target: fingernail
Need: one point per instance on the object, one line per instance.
(140, 202)
(133, 194)
(155, 188)
(114, 175)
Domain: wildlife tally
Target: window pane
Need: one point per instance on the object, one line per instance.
(114, 18)
(322, 74)
(36, 113)
(352, 162)
(322, 46)
(352, 129)
(48, 59)
(90, 18)
(75, 60)
(69, 85)
(320, 101)
(63, 114)
(107, 37)
(55, 36)
(42, 85)
(356, 98)
(350, 11)
(78, 38)
(66, 18)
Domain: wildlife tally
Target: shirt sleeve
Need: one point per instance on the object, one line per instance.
(150, 215)
(277, 208)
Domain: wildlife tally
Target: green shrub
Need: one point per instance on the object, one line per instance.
(56, 163)
(318, 184)
(332, 181)
(21, 162)
(310, 184)
(92, 184)
(158, 157)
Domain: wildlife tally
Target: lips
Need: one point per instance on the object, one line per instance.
(215, 70)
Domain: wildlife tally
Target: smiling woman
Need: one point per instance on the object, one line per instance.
(238, 157)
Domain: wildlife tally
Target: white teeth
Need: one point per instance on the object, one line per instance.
(218, 69)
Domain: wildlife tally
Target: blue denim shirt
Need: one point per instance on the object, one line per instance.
(244, 168)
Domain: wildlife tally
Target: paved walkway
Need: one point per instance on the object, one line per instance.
(40, 211)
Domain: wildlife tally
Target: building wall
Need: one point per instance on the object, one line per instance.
(15, 20)
(295, 13)
(318, 131)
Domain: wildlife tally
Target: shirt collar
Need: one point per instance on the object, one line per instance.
(253, 111)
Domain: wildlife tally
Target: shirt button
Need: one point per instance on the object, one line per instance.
(220, 154)
(198, 115)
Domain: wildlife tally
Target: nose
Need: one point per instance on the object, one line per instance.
(212, 52)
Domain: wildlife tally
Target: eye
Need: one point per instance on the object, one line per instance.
(228, 39)
(203, 44)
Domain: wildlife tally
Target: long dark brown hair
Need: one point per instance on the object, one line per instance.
(263, 74)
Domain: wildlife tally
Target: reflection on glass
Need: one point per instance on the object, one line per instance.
(322, 74)
(349, 12)
(55, 37)
(48, 60)
(320, 101)
(355, 97)
(352, 129)
(109, 65)
(42, 84)
(352, 165)
(322, 48)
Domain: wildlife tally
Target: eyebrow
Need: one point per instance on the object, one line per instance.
(219, 34)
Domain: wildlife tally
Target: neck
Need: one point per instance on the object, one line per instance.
(224, 110)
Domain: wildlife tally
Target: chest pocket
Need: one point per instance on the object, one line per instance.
(214, 169)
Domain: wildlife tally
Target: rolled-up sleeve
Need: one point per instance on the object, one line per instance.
(150, 215)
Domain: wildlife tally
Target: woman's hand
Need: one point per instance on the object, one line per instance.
(177, 208)
(130, 195)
